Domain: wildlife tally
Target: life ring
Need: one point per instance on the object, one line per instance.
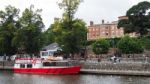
(33, 61)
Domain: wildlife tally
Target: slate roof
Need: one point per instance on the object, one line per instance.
(53, 46)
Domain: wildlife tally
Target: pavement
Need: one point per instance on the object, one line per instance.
(121, 61)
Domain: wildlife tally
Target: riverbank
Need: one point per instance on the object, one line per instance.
(115, 72)
(6, 68)
(103, 68)
(6, 65)
(119, 68)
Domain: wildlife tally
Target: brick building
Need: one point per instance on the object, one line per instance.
(107, 30)
(104, 30)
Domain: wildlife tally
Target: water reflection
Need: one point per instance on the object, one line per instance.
(11, 78)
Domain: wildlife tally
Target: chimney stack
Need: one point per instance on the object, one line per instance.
(91, 23)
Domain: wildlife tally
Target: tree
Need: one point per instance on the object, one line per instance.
(8, 26)
(48, 37)
(100, 47)
(145, 42)
(128, 45)
(56, 31)
(138, 19)
(70, 7)
(68, 32)
(28, 37)
(71, 41)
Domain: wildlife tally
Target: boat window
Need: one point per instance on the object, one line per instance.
(62, 64)
(49, 64)
(51, 53)
(69, 64)
(22, 65)
(44, 53)
(29, 65)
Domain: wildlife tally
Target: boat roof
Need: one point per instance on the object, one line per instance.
(53, 47)
(36, 60)
(55, 61)
(29, 59)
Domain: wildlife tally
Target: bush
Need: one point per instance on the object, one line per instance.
(100, 46)
(128, 45)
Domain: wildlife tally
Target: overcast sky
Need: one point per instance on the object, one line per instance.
(89, 10)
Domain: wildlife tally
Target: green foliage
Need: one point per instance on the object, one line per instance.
(113, 41)
(56, 30)
(145, 42)
(8, 27)
(128, 45)
(68, 32)
(71, 40)
(100, 47)
(138, 19)
(29, 37)
(48, 37)
(70, 7)
(90, 42)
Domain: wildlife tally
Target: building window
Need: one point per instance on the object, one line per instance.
(107, 33)
(106, 27)
(97, 34)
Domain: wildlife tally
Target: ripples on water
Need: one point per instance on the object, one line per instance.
(7, 77)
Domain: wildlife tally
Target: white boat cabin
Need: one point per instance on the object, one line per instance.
(39, 63)
(50, 54)
(28, 63)
(49, 50)
(47, 53)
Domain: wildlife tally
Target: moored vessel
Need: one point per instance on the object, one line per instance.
(46, 65)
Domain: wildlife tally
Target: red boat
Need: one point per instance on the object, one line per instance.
(39, 66)
(47, 64)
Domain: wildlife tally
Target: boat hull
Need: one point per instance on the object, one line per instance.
(49, 70)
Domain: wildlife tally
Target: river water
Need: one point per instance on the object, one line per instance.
(7, 77)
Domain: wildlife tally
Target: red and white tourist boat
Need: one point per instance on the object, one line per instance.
(45, 65)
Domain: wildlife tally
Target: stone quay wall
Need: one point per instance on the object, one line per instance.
(6, 65)
(131, 66)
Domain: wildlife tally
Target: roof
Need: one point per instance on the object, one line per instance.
(104, 25)
(53, 46)
(101, 25)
